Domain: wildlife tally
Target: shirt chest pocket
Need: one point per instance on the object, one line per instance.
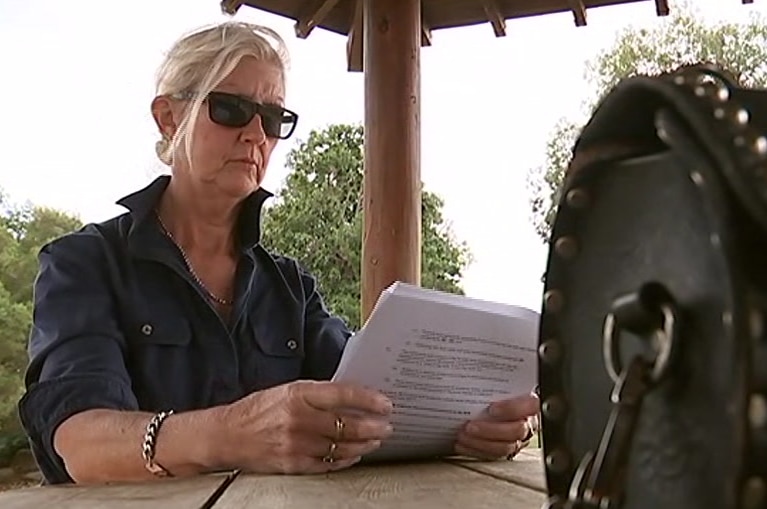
(163, 332)
(278, 354)
(161, 361)
(161, 354)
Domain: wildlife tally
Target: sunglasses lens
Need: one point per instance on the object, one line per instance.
(277, 122)
(233, 111)
(230, 111)
(288, 124)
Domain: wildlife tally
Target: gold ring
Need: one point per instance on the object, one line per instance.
(329, 458)
(340, 424)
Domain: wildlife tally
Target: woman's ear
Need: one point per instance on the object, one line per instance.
(162, 111)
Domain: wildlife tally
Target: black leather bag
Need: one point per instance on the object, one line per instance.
(652, 348)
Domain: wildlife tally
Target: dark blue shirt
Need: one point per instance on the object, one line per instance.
(119, 323)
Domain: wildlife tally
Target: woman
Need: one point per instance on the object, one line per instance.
(167, 341)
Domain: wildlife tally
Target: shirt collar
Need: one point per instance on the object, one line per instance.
(141, 205)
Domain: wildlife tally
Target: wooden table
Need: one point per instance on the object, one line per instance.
(517, 484)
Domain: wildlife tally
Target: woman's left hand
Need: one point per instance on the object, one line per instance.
(499, 432)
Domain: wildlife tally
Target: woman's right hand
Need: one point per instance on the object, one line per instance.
(290, 428)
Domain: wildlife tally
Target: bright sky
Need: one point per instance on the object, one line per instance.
(78, 78)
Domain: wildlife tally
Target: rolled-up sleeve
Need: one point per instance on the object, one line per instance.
(325, 334)
(76, 349)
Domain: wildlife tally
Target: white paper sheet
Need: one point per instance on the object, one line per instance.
(442, 359)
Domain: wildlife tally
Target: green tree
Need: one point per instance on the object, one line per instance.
(317, 219)
(23, 231)
(682, 38)
(15, 320)
(31, 227)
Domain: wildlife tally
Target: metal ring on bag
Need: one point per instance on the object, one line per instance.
(664, 340)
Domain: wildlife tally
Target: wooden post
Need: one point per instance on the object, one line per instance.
(391, 243)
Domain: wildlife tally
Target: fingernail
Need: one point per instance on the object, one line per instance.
(386, 405)
(493, 411)
(389, 429)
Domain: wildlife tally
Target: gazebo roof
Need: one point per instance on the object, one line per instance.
(338, 15)
(383, 38)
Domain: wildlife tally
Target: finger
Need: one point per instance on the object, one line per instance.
(514, 409)
(463, 450)
(480, 448)
(335, 395)
(315, 466)
(355, 428)
(304, 453)
(322, 467)
(534, 422)
(532, 428)
(498, 431)
(319, 449)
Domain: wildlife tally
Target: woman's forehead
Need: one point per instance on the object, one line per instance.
(256, 79)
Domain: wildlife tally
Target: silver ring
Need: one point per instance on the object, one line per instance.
(340, 425)
(329, 458)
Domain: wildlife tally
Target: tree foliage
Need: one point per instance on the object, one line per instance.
(683, 38)
(23, 230)
(317, 219)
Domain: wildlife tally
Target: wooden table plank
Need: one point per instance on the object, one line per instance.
(188, 493)
(525, 469)
(397, 486)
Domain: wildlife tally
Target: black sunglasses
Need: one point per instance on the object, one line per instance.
(232, 110)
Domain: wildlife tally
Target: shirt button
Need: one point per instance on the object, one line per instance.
(146, 329)
(292, 344)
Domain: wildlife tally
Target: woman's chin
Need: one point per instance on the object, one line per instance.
(239, 186)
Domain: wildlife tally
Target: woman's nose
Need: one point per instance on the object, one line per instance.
(254, 132)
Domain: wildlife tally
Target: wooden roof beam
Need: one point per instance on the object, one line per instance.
(354, 40)
(494, 17)
(579, 12)
(313, 17)
(231, 7)
(661, 7)
(425, 35)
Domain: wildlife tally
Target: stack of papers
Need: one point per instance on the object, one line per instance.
(441, 359)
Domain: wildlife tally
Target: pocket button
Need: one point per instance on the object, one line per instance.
(292, 344)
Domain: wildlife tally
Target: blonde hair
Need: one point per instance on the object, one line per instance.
(199, 61)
